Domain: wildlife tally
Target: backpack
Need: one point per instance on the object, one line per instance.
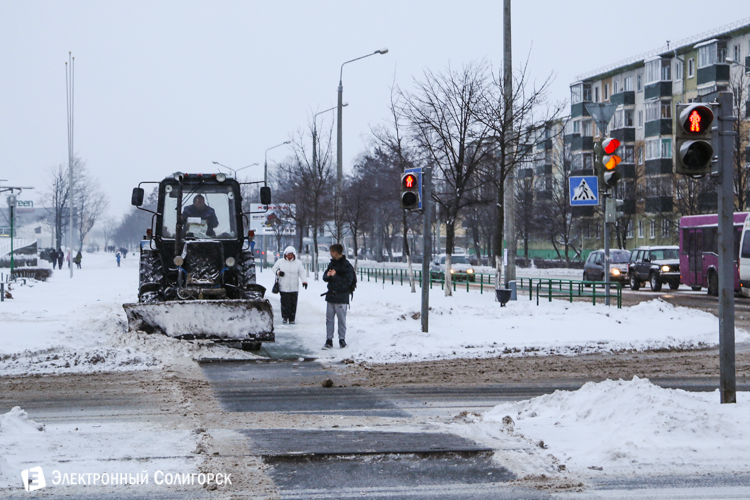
(353, 286)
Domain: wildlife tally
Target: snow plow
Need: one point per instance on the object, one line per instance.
(197, 265)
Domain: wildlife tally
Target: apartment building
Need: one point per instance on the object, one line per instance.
(646, 88)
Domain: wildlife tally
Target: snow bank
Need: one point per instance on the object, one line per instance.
(631, 427)
(90, 447)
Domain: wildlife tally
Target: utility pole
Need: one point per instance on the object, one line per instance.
(510, 179)
(12, 207)
(725, 132)
(69, 88)
(426, 244)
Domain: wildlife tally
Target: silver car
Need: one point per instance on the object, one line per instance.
(461, 268)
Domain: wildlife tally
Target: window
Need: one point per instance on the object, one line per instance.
(639, 82)
(628, 117)
(666, 109)
(640, 229)
(628, 84)
(630, 231)
(652, 229)
(628, 155)
(586, 230)
(691, 68)
(678, 70)
(587, 129)
(587, 93)
(666, 71)
(640, 156)
(577, 127)
(658, 148)
(658, 110)
(712, 53)
(596, 94)
(737, 53)
(640, 119)
(575, 93)
(653, 69)
(588, 161)
(606, 91)
(665, 228)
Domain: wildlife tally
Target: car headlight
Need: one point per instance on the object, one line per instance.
(230, 261)
(665, 269)
(452, 271)
(615, 272)
(470, 271)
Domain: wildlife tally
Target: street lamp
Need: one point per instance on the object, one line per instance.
(315, 131)
(233, 170)
(339, 134)
(731, 60)
(265, 162)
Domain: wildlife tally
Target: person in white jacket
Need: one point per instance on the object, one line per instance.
(290, 272)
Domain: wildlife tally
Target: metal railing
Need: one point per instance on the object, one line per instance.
(570, 289)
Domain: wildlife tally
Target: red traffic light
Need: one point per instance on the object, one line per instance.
(697, 119)
(610, 145)
(409, 181)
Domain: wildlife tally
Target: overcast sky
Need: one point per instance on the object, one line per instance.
(162, 86)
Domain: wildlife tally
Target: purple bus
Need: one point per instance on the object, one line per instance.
(699, 250)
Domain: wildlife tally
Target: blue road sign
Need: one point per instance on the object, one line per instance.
(584, 191)
(418, 173)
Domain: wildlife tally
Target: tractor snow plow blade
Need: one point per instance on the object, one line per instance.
(218, 320)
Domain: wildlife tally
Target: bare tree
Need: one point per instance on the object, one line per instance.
(56, 202)
(356, 210)
(515, 117)
(316, 180)
(442, 116)
(739, 86)
(89, 202)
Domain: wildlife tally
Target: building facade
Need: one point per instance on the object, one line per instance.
(646, 90)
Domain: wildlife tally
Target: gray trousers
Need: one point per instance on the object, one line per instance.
(333, 311)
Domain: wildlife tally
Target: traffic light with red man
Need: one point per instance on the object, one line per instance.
(694, 152)
(409, 191)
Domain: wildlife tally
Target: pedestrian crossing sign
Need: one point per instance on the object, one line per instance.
(584, 191)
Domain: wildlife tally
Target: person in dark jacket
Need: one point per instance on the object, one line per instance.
(77, 260)
(339, 276)
(60, 257)
(200, 209)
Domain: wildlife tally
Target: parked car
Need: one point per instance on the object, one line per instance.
(593, 269)
(461, 269)
(657, 265)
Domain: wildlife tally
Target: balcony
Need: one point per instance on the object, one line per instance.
(578, 109)
(623, 98)
(657, 90)
(627, 170)
(659, 204)
(658, 127)
(544, 145)
(659, 166)
(579, 143)
(543, 170)
(713, 73)
(625, 134)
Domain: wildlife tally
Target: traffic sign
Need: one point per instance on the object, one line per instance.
(584, 190)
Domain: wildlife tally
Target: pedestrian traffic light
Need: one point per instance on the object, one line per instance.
(409, 192)
(694, 151)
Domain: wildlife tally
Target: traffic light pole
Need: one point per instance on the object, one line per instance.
(426, 244)
(727, 381)
(607, 201)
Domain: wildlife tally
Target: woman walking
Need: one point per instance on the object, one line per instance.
(289, 272)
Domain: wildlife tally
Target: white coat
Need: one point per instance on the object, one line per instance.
(293, 270)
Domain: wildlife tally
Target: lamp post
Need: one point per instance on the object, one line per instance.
(339, 133)
(235, 170)
(265, 183)
(315, 132)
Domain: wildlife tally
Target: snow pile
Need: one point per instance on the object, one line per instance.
(631, 427)
(90, 447)
(78, 325)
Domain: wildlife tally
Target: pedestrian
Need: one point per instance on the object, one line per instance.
(78, 258)
(118, 259)
(53, 257)
(290, 272)
(60, 257)
(340, 278)
(68, 259)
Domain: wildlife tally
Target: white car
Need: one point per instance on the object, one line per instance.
(461, 269)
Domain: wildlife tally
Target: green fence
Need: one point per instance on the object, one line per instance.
(540, 287)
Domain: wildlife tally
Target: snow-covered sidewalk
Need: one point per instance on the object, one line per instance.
(622, 428)
(384, 325)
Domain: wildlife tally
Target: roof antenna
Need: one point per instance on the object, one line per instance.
(667, 44)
